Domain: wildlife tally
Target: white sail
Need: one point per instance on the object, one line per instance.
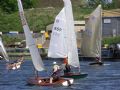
(57, 47)
(71, 41)
(37, 61)
(91, 43)
(63, 39)
(2, 49)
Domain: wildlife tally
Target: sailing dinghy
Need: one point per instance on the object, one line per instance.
(92, 36)
(3, 51)
(63, 40)
(10, 66)
(36, 58)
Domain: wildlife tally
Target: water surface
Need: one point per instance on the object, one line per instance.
(105, 77)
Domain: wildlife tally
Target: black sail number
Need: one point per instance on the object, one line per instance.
(58, 29)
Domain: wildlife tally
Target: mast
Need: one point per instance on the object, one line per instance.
(101, 33)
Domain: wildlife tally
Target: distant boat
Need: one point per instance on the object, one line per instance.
(9, 66)
(92, 36)
(63, 40)
(3, 51)
(36, 58)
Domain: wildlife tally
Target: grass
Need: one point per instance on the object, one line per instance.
(37, 18)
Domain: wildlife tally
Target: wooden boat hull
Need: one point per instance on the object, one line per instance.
(46, 81)
(75, 75)
(96, 63)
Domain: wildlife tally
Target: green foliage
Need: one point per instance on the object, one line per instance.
(8, 5)
(28, 3)
(9, 40)
(111, 40)
(10, 22)
(94, 3)
(39, 18)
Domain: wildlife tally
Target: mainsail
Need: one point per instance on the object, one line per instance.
(91, 42)
(2, 49)
(37, 61)
(63, 39)
(57, 47)
(71, 42)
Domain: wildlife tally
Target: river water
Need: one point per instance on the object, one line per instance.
(105, 77)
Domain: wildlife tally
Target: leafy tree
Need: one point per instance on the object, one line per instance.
(28, 3)
(8, 5)
(11, 5)
(106, 5)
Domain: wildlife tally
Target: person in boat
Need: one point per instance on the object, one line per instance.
(1, 57)
(66, 66)
(16, 64)
(56, 72)
(98, 60)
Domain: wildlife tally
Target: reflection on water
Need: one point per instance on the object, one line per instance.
(105, 77)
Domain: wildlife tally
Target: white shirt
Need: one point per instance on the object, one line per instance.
(56, 68)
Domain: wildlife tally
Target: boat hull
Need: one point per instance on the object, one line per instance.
(96, 63)
(13, 66)
(75, 75)
(46, 81)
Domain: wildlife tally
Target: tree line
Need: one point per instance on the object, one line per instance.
(10, 6)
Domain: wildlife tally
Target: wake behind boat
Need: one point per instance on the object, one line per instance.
(36, 58)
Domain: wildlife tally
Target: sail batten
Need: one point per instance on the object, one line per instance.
(36, 58)
(91, 43)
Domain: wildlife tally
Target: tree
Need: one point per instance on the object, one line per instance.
(11, 5)
(8, 5)
(105, 4)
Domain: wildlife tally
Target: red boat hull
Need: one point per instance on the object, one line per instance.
(46, 81)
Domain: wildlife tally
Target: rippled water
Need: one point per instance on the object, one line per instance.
(105, 77)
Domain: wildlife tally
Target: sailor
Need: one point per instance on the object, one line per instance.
(56, 71)
(66, 68)
(1, 57)
(98, 59)
(16, 64)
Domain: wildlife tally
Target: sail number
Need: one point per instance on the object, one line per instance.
(88, 32)
(58, 29)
